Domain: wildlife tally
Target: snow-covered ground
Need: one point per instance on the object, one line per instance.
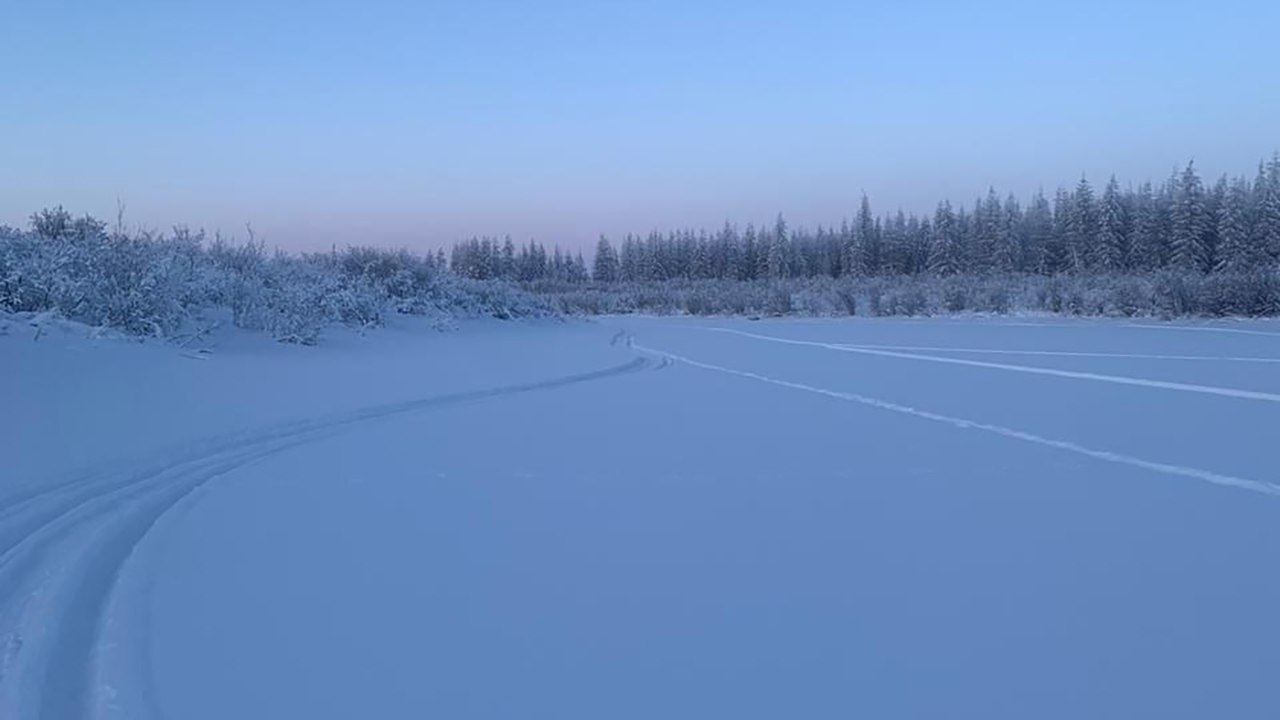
(642, 518)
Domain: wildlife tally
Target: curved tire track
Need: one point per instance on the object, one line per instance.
(62, 549)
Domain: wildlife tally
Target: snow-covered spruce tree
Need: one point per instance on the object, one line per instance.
(866, 240)
(1166, 198)
(649, 263)
(1006, 255)
(700, 260)
(1083, 233)
(963, 234)
(776, 261)
(763, 239)
(1037, 234)
(747, 266)
(507, 262)
(557, 267)
(897, 248)
(945, 253)
(988, 221)
(730, 253)
(920, 230)
(916, 237)
(1189, 224)
(1146, 246)
(852, 259)
(1055, 257)
(810, 253)
(629, 260)
(1235, 251)
(1110, 246)
(1265, 221)
(605, 267)
(1213, 201)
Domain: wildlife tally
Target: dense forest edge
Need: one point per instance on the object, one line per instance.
(1179, 248)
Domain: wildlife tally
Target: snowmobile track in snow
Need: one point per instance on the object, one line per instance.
(1209, 476)
(1029, 369)
(63, 548)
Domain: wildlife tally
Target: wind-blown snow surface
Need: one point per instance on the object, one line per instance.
(646, 518)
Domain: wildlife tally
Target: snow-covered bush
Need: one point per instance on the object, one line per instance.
(20, 258)
(1166, 294)
(1128, 296)
(76, 268)
(151, 285)
(236, 279)
(813, 300)
(1249, 292)
(905, 301)
(1175, 293)
(465, 297)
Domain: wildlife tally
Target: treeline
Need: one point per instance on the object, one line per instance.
(1164, 293)
(1180, 224)
(1178, 248)
(489, 259)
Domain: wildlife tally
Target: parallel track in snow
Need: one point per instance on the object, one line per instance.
(1263, 487)
(1235, 393)
(62, 549)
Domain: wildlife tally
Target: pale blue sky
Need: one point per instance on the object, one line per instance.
(419, 123)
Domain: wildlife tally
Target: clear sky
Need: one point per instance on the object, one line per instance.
(419, 123)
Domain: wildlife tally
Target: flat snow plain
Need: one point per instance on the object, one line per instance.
(644, 518)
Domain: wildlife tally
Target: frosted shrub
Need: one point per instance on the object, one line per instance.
(136, 285)
(955, 295)
(779, 301)
(22, 283)
(1119, 295)
(295, 305)
(76, 268)
(1127, 298)
(908, 301)
(237, 280)
(875, 300)
(294, 300)
(994, 296)
(1174, 294)
(1049, 296)
(489, 298)
(699, 301)
(358, 304)
(147, 284)
(847, 299)
(1246, 292)
(810, 300)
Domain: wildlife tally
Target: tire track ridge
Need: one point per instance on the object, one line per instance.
(62, 560)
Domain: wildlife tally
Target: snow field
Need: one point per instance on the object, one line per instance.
(644, 518)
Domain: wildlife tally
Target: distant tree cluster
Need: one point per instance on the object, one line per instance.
(489, 259)
(1181, 224)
